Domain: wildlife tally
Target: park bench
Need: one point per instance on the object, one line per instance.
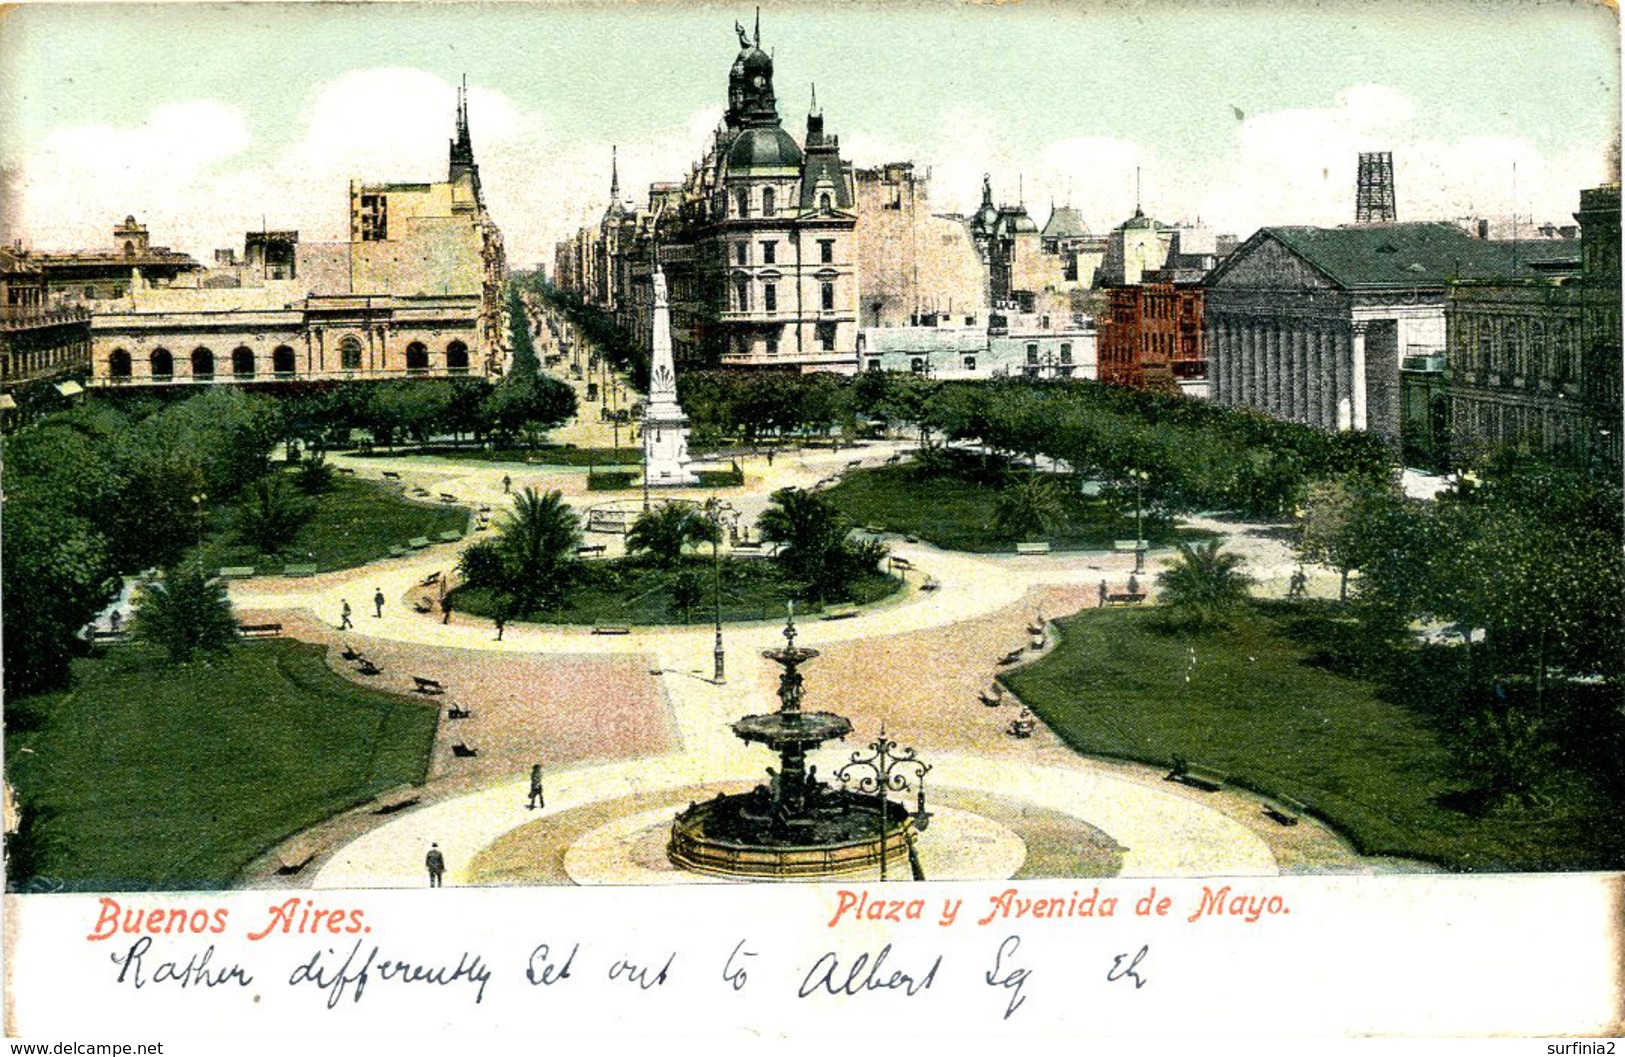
(108, 636)
(854, 462)
(1125, 598)
(875, 530)
(347, 470)
(430, 580)
(463, 751)
(1021, 727)
(447, 497)
(1040, 547)
(398, 799)
(482, 526)
(450, 536)
(911, 539)
(1013, 656)
(843, 615)
(425, 685)
(349, 654)
(366, 667)
(894, 460)
(304, 569)
(591, 548)
(236, 572)
(931, 584)
(260, 630)
(1196, 777)
(611, 631)
(992, 697)
(421, 492)
(390, 475)
(397, 552)
(1286, 810)
(417, 543)
(423, 605)
(457, 713)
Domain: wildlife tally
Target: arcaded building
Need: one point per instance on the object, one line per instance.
(415, 291)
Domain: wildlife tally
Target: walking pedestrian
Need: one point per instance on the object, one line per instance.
(378, 603)
(116, 621)
(445, 609)
(502, 623)
(344, 614)
(1103, 594)
(507, 484)
(536, 799)
(436, 864)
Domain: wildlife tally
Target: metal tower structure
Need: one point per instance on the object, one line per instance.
(1374, 198)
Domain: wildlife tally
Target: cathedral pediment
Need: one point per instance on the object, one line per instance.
(1266, 264)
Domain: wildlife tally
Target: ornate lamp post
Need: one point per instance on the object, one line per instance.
(888, 770)
(715, 507)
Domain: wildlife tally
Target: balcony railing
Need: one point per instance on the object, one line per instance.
(24, 317)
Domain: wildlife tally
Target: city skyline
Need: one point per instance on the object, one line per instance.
(1057, 104)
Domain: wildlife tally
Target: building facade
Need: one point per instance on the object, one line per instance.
(1601, 363)
(1314, 325)
(1151, 338)
(999, 345)
(416, 291)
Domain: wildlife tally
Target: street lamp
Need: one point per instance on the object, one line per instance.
(1140, 477)
(197, 501)
(715, 507)
(887, 771)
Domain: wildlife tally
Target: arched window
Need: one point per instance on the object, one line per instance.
(457, 357)
(129, 249)
(242, 361)
(824, 202)
(742, 202)
(163, 365)
(118, 365)
(417, 358)
(202, 364)
(282, 360)
(767, 201)
(350, 354)
(741, 294)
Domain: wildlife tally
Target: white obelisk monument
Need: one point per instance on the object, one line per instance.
(665, 427)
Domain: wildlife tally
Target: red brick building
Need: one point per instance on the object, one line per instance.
(1151, 338)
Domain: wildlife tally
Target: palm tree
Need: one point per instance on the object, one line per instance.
(1204, 585)
(813, 535)
(538, 542)
(1028, 507)
(269, 515)
(184, 612)
(662, 532)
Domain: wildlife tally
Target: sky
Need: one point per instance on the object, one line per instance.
(205, 121)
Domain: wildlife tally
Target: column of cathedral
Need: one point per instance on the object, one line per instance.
(1289, 370)
(1342, 355)
(1357, 367)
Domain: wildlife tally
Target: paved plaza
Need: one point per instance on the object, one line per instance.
(630, 728)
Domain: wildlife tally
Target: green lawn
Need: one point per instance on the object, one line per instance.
(353, 523)
(958, 514)
(634, 593)
(1255, 710)
(157, 776)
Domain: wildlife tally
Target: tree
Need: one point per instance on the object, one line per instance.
(1028, 507)
(662, 532)
(269, 515)
(687, 589)
(1204, 585)
(185, 613)
(815, 548)
(537, 543)
(56, 575)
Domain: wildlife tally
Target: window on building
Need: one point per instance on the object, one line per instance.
(826, 337)
(417, 358)
(242, 361)
(283, 361)
(826, 251)
(970, 363)
(742, 253)
(742, 294)
(1066, 352)
(916, 365)
(773, 343)
(770, 253)
(742, 202)
(824, 202)
(90, 293)
(874, 363)
(202, 364)
(767, 202)
(826, 296)
(163, 364)
(770, 297)
(118, 364)
(457, 358)
(1032, 352)
(350, 354)
(374, 218)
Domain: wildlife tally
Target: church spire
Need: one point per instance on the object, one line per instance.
(614, 175)
(462, 146)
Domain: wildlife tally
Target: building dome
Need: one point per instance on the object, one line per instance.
(763, 148)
